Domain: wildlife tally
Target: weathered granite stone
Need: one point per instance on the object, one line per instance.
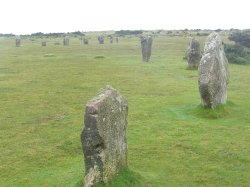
(101, 39)
(213, 73)
(66, 40)
(18, 42)
(104, 136)
(85, 41)
(193, 54)
(146, 45)
(117, 39)
(44, 44)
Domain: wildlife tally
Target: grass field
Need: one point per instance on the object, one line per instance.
(172, 141)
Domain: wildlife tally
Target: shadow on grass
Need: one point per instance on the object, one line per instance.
(126, 178)
(192, 68)
(99, 57)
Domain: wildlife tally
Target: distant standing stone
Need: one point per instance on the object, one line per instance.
(85, 41)
(117, 39)
(44, 44)
(193, 54)
(101, 39)
(18, 42)
(111, 39)
(66, 40)
(146, 45)
(213, 73)
(103, 138)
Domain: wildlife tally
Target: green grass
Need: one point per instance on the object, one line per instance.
(219, 112)
(125, 178)
(171, 140)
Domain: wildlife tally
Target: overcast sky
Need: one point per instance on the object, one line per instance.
(29, 16)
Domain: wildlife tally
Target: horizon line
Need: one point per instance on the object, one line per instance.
(113, 30)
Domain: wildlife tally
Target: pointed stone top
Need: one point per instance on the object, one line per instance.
(108, 92)
(213, 43)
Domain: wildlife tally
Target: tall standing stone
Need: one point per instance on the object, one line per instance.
(146, 46)
(44, 44)
(66, 40)
(213, 73)
(18, 41)
(85, 41)
(193, 54)
(103, 138)
(117, 39)
(101, 39)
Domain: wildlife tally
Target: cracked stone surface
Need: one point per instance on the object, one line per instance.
(103, 138)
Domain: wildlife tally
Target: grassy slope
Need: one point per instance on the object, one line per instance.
(42, 101)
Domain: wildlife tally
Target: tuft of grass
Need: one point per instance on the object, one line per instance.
(216, 113)
(126, 178)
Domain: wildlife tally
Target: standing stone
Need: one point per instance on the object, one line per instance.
(213, 73)
(193, 54)
(103, 138)
(85, 41)
(146, 45)
(66, 40)
(44, 44)
(111, 39)
(101, 39)
(18, 42)
(117, 39)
